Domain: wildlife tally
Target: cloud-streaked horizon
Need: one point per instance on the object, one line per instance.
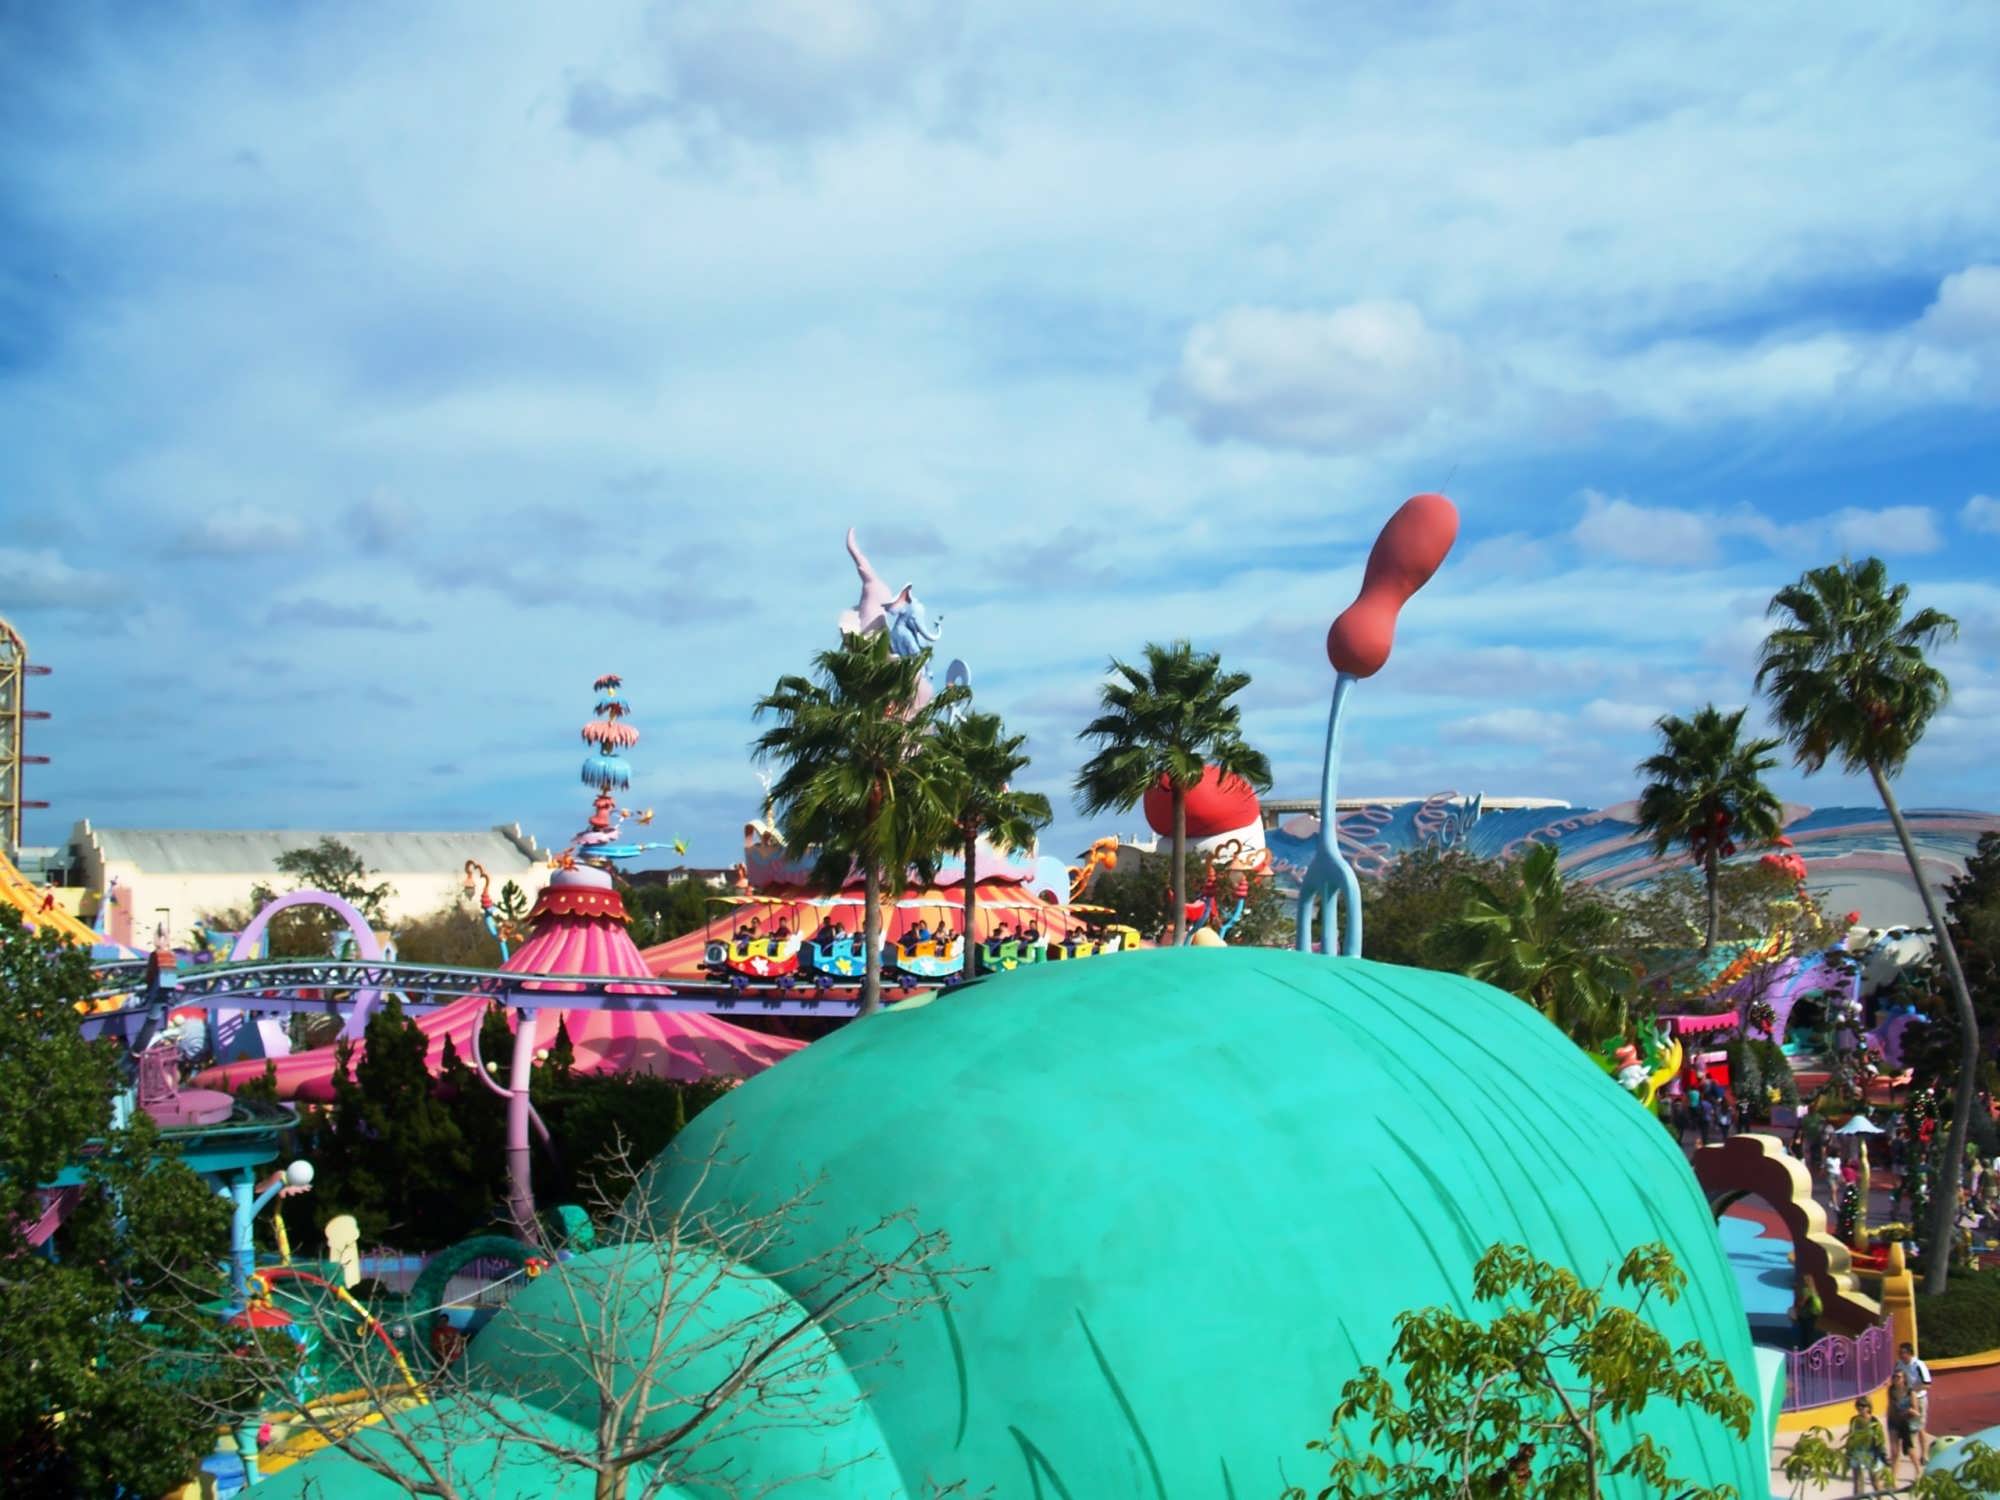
(373, 380)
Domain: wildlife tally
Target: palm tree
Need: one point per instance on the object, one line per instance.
(861, 782)
(1707, 792)
(983, 759)
(1848, 680)
(1528, 934)
(1168, 722)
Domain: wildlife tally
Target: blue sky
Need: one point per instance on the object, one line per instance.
(372, 376)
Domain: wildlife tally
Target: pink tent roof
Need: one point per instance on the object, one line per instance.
(575, 937)
(682, 1045)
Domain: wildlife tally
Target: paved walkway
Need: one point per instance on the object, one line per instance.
(1965, 1401)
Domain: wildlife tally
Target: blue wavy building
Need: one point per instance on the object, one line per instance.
(1852, 857)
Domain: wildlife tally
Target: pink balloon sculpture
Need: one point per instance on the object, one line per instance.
(1402, 561)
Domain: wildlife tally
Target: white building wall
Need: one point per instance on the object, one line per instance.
(146, 900)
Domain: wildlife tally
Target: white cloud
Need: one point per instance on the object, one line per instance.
(1619, 718)
(1892, 531)
(1351, 379)
(333, 614)
(241, 531)
(380, 522)
(1510, 552)
(1665, 536)
(1656, 535)
(1981, 513)
(776, 279)
(1509, 726)
(39, 578)
(771, 70)
(1967, 310)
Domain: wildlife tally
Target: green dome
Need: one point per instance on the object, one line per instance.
(1203, 1183)
(484, 1447)
(530, 1353)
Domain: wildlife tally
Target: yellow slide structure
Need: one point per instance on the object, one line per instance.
(1668, 1070)
(28, 898)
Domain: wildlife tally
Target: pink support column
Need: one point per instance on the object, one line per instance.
(520, 1165)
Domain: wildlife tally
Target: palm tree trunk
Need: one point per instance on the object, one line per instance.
(1180, 866)
(1944, 1208)
(871, 939)
(1709, 874)
(971, 904)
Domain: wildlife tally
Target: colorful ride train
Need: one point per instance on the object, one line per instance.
(831, 955)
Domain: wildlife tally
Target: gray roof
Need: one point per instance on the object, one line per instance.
(231, 851)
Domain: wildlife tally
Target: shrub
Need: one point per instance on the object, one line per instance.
(589, 1117)
(1746, 1079)
(1965, 1320)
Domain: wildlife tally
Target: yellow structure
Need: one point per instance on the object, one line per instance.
(42, 906)
(1668, 1070)
(1899, 1296)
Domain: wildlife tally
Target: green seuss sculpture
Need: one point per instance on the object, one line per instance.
(1203, 1183)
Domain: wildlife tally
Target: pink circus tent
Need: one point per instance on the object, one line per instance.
(579, 928)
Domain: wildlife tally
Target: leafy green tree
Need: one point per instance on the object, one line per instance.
(1821, 1458)
(860, 782)
(561, 1064)
(453, 935)
(1268, 919)
(661, 911)
(88, 1405)
(333, 867)
(513, 905)
(395, 1151)
(1167, 721)
(1669, 914)
(496, 1039)
(308, 931)
(1537, 937)
(1661, 925)
(1848, 679)
(1756, 1067)
(1137, 894)
(595, 1121)
(1517, 1404)
(1707, 793)
(1417, 895)
(980, 760)
(1972, 916)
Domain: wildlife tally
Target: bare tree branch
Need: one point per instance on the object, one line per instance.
(644, 1344)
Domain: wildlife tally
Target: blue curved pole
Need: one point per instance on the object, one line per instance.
(1329, 879)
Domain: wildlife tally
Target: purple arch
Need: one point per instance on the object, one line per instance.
(366, 946)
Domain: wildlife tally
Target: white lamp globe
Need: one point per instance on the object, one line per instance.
(299, 1174)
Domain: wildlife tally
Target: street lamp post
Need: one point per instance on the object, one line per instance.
(248, 1198)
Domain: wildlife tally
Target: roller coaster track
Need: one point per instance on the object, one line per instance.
(320, 984)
